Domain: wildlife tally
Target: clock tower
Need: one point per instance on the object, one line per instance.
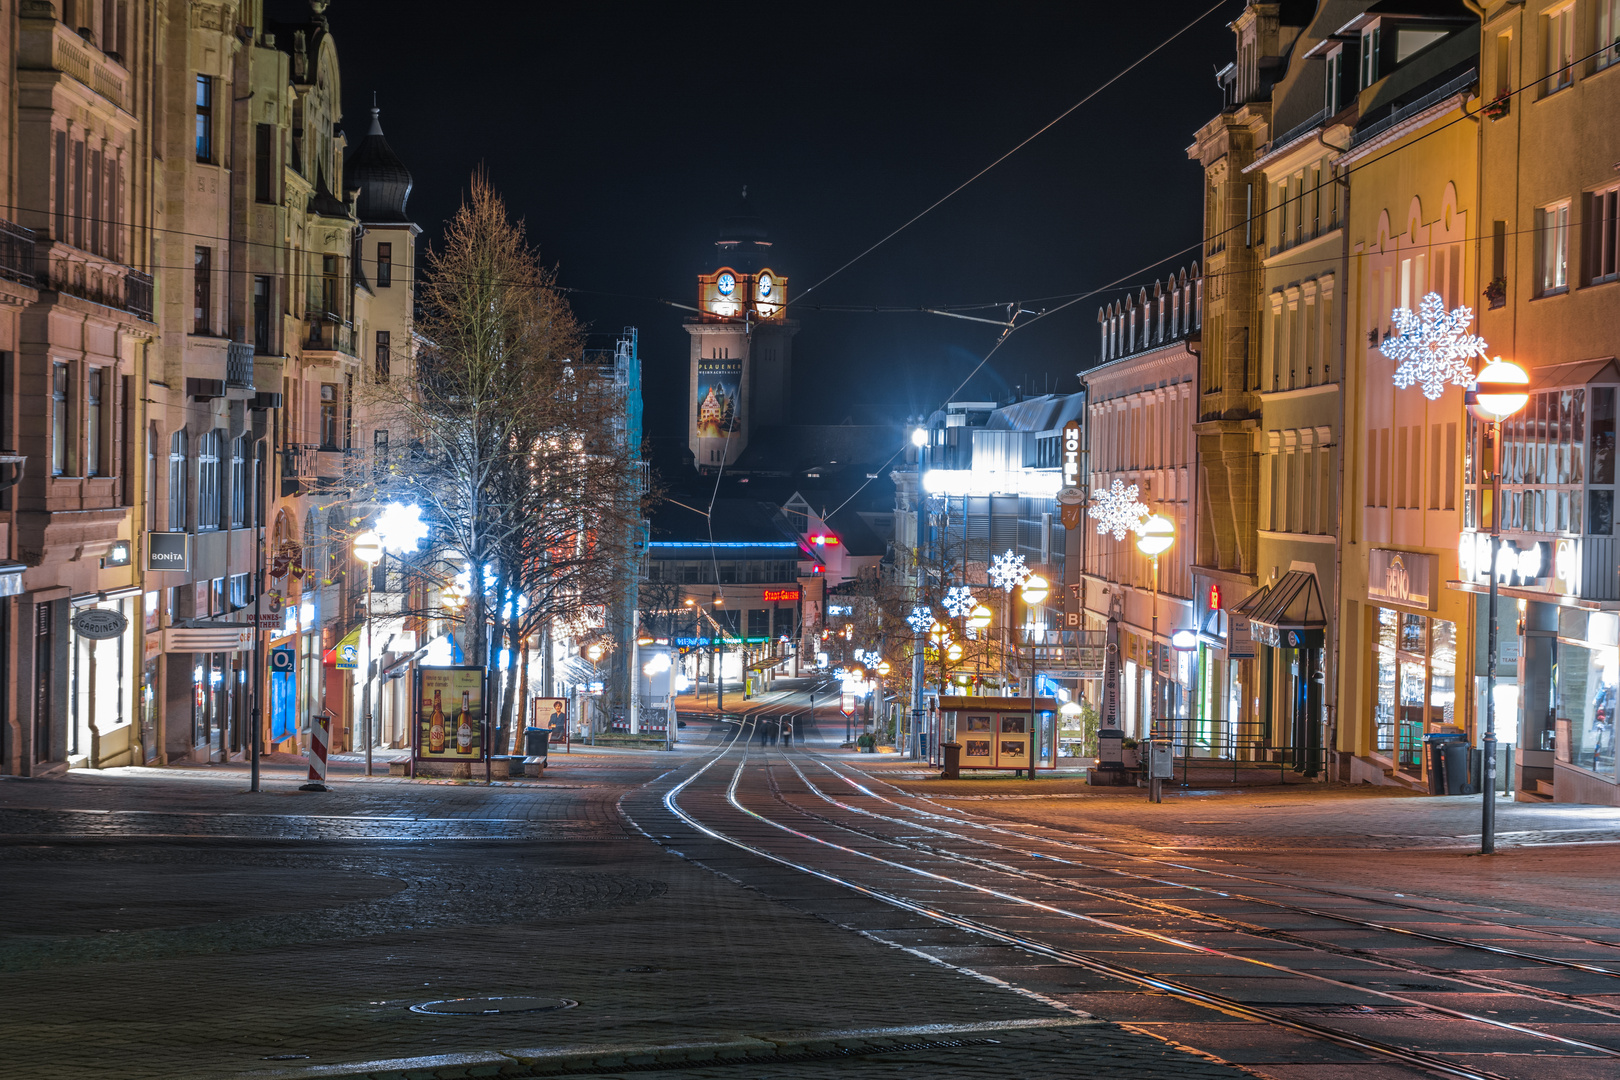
(742, 345)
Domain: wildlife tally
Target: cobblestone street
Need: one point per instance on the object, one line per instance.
(169, 923)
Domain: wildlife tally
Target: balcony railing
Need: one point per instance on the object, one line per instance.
(16, 253)
(239, 365)
(138, 294)
(329, 333)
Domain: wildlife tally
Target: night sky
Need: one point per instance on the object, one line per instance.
(624, 132)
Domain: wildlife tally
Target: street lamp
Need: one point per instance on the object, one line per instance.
(1153, 538)
(368, 548)
(1500, 390)
(1034, 592)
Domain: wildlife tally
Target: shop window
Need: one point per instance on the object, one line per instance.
(1415, 663)
(1584, 705)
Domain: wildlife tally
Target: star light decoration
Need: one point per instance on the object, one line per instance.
(1118, 509)
(1433, 346)
(921, 618)
(959, 601)
(1007, 571)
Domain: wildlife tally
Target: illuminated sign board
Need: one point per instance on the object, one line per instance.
(840, 609)
(167, 551)
(780, 596)
(1401, 577)
(959, 482)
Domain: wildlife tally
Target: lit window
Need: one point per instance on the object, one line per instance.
(205, 118)
(92, 423)
(208, 481)
(60, 433)
(1608, 32)
(1552, 235)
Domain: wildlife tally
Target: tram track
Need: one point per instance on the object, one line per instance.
(1256, 930)
(1001, 825)
(725, 813)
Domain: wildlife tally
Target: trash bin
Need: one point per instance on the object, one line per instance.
(953, 761)
(535, 741)
(1448, 762)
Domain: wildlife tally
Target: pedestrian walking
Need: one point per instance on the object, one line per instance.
(787, 733)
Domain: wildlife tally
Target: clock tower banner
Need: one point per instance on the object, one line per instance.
(719, 398)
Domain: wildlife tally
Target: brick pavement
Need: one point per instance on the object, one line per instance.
(174, 925)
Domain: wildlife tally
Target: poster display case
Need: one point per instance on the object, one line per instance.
(997, 732)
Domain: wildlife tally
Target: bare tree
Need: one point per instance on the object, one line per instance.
(518, 451)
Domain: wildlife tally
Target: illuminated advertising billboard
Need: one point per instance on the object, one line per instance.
(719, 398)
(450, 713)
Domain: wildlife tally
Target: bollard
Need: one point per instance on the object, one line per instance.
(319, 731)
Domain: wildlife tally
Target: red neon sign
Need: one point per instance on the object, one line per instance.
(777, 596)
(1214, 597)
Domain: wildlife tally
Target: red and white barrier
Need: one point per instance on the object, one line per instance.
(319, 736)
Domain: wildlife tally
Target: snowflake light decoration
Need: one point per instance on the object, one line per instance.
(921, 618)
(1007, 571)
(959, 601)
(1433, 346)
(1118, 509)
(868, 657)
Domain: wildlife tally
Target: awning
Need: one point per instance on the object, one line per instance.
(1291, 616)
(1246, 606)
(188, 639)
(1295, 603)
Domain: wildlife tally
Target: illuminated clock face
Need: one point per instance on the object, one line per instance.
(727, 284)
(765, 285)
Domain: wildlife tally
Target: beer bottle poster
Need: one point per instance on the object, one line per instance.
(450, 713)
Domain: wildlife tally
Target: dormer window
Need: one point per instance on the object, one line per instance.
(1341, 67)
(1372, 39)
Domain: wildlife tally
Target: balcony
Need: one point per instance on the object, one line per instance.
(49, 45)
(16, 253)
(239, 365)
(328, 333)
(97, 280)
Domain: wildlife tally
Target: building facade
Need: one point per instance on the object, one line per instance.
(1140, 406)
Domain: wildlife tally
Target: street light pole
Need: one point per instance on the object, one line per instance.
(1153, 538)
(368, 548)
(1500, 390)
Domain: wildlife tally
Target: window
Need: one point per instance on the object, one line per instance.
(1552, 249)
(179, 480)
(1411, 40)
(329, 416)
(1604, 234)
(205, 118)
(1558, 31)
(202, 290)
(93, 464)
(264, 163)
(384, 357)
(385, 263)
(61, 185)
(240, 591)
(1504, 66)
(60, 432)
(262, 342)
(1335, 81)
(151, 479)
(239, 486)
(1608, 33)
(379, 453)
(1371, 39)
(329, 286)
(208, 481)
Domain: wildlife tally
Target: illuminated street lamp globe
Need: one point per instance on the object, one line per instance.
(368, 548)
(883, 667)
(980, 617)
(939, 631)
(1155, 535)
(1501, 389)
(953, 652)
(1034, 590)
(400, 528)
(594, 651)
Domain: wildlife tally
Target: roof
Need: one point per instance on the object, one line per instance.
(747, 527)
(1574, 373)
(1045, 413)
(384, 181)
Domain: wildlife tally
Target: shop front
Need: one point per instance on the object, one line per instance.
(1413, 659)
(104, 635)
(1289, 625)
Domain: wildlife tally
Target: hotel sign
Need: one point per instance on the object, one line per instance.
(1401, 577)
(1070, 498)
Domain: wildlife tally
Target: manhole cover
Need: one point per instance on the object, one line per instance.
(491, 1006)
